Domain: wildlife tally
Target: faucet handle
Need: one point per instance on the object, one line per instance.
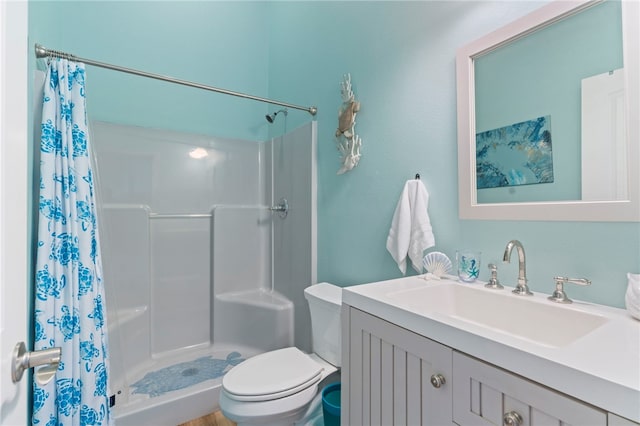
(493, 281)
(559, 295)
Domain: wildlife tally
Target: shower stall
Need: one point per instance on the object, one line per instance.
(201, 271)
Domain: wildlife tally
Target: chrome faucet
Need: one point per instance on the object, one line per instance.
(521, 289)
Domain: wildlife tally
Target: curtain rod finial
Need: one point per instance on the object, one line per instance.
(41, 52)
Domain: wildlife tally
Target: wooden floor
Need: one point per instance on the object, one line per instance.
(213, 419)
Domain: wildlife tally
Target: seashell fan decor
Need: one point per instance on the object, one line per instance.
(437, 263)
(632, 297)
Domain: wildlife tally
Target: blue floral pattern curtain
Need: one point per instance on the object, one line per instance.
(69, 296)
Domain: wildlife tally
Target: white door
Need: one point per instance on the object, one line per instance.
(13, 205)
(604, 142)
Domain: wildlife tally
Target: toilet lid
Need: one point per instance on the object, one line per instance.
(272, 375)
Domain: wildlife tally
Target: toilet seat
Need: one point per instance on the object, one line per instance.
(283, 411)
(272, 375)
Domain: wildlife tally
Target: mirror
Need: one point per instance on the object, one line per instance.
(495, 102)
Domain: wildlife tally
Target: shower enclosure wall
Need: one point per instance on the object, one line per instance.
(199, 272)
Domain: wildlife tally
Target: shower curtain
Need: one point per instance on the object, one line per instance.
(69, 294)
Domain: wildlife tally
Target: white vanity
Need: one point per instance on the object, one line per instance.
(441, 352)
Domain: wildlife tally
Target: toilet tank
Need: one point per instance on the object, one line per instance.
(325, 301)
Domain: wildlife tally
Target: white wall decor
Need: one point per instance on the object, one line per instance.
(347, 141)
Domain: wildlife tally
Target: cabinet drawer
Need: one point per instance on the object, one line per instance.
(483, 394)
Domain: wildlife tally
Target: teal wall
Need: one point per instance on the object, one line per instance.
(221, 44)
(401, 56)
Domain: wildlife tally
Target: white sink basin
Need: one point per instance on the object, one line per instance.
(525, 317)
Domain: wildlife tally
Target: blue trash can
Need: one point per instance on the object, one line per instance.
(331, 404)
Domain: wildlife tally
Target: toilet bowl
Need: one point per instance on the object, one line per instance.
(276, 387)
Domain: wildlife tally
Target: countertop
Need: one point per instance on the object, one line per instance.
(601, 368)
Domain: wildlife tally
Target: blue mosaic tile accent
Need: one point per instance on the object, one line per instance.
(185, 374)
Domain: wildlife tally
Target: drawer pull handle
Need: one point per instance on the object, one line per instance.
(512, 418)
(437, 380)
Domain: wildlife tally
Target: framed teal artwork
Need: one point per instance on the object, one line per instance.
(518, 154)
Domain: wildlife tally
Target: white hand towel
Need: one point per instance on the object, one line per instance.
(411, 232)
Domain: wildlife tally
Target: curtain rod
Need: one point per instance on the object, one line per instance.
(43, 52)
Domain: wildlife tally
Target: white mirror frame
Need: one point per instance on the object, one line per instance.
(576, 210)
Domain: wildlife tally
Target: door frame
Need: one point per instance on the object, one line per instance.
(14, 195)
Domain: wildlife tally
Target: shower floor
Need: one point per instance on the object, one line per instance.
(185, 374)
(178, 387)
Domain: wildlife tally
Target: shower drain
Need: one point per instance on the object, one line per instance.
(190, 372)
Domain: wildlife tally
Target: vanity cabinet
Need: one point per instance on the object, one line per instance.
(394, 376)
(487, 395)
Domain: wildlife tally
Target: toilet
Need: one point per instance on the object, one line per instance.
(277, 387)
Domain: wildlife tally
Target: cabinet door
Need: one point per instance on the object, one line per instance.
(389, 373)
(619, 421)
(483, 394)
